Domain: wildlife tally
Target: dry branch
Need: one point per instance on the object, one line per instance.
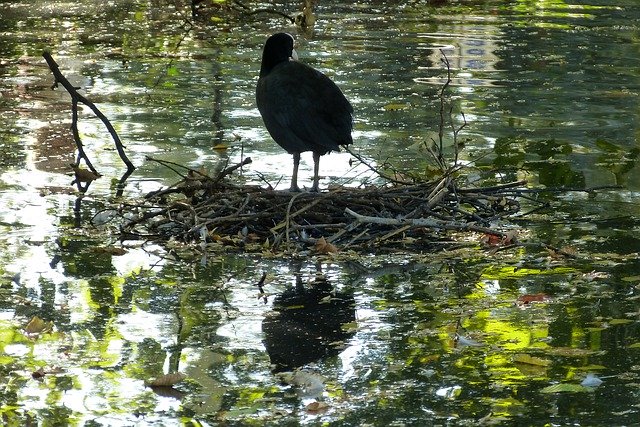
(212, 210)
(407, 223)
(75, 98)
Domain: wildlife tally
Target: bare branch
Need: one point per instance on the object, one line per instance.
(77, 97)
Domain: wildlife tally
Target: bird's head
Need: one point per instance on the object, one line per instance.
(277, 49)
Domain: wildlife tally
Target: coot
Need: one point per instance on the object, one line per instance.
(302, 109)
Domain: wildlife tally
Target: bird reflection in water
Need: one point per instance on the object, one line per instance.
(306, 324)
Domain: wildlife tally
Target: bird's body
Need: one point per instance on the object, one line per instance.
(302, 109)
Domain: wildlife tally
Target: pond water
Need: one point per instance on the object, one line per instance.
(550, 94)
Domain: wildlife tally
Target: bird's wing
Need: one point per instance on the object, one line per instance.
(309, 110)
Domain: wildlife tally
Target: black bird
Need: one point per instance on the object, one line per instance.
(302, 109)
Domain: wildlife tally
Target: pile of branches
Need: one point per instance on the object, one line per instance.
(214, 211)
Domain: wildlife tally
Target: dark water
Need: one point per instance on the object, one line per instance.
(549, 91)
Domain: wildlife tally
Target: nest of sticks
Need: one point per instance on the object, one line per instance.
(216, 213)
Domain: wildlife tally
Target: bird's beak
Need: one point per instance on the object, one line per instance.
(294, 55)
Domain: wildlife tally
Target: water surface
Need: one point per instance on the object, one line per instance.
(549, 91)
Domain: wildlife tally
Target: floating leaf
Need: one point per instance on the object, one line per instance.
(167, 380)
(316, 407)
(467, 342)
(324, 247)
(530, 360)
(591, 367)
(589, 277)
(37, 326)
(620, 321)
(84, 175)
(349, 327)
(173, 71)
(565, 388)
(570, 351)
(529, 298)
(40, 373)
(591, 380)
(395, 106)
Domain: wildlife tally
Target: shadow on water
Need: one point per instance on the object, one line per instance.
(306, 323)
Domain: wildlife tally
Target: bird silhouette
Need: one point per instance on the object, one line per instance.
(302, 109)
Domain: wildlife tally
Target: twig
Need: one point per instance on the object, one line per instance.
(362, 160)
(230, 169)
(174, 167)
(75, 98)
(456, 131)
(493, 189)
(445, 86)
(271, 11)
(290, 215)
(423, 222)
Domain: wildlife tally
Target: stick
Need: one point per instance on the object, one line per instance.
(422, 222)
(76, 97)
(230, 169)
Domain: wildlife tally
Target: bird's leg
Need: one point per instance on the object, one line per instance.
(294, 176)
(316, 169)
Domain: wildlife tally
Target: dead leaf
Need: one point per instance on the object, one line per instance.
(563, 252)
(395, 106)
(529, 298)
(530, 360)
(37, 326)
(490, 239)
(167, 380)
(569, 251)
(252, 238)
(316, 407)
(40, 373)
(510, 237)
(324, 247)
(565, 388)
(84, 175)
